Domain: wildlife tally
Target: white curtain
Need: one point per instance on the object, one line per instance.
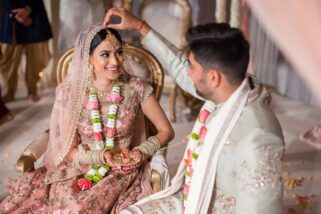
(272, 68)
(195, 5)
(74, 15)
(295, 27)
(264, 52)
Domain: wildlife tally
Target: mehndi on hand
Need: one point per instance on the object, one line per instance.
(126, 158)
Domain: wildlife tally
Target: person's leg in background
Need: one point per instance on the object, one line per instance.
(5, 114)
(9, 62)
(38, 56)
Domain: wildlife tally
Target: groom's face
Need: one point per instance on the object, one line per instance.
(199, 77)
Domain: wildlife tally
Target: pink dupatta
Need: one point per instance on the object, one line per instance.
(70, 96)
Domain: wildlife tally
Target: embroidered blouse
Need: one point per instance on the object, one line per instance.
(135, 92)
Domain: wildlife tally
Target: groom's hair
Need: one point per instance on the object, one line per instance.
(221, 47)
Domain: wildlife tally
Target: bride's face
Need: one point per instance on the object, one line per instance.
(107, 60)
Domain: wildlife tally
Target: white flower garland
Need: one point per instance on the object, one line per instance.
(97, 173)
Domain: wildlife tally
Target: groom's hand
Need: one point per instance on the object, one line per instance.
(128, 21)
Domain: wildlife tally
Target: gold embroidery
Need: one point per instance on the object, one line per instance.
(63, 173)
(222, 203)
(92, 146)
(267, 172)
(164, 205)
(148, 92)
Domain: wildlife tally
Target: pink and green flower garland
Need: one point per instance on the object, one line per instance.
(97, 173)
(196, 141)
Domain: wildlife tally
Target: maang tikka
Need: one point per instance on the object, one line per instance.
(111, 38)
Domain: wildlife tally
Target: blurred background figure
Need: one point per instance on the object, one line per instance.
(24, 27)
(5, 114)
(71, 21)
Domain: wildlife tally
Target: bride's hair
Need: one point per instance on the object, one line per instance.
(101, 36)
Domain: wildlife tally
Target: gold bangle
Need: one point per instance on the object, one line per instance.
(149, 146)
(90, 157)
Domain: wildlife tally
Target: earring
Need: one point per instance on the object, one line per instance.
(91, 71)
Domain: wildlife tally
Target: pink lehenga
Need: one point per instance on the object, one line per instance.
(53, 188)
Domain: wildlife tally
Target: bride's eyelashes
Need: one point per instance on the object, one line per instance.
(106, 54)
(119, 52)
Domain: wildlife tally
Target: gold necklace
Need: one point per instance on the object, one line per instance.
(101, 95)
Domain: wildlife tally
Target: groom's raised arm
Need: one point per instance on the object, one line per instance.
(173, 60)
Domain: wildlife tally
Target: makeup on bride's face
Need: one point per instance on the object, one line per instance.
(107, 60)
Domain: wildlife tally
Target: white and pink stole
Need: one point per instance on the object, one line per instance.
(203, 179)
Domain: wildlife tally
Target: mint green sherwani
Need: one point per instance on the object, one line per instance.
(248, 178)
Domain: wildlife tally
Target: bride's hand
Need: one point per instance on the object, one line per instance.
(137, 155)
(108, 155)
(128, 20)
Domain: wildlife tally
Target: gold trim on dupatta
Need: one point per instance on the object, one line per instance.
(81, 85)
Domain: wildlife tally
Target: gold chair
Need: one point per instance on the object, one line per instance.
(171, 18)
(137, 61)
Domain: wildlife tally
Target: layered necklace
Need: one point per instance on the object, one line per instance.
(97, 173)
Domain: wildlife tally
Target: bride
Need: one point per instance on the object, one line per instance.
(92, 123)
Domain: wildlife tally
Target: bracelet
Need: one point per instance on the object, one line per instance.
(90, 157)
(141, 26)
(149, 147)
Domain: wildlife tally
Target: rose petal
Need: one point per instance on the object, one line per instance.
(203, 115)
(203, 132)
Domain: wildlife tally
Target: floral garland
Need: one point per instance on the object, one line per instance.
(97, 173)
(197, 139)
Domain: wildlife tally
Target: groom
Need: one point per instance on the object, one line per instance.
(232, 163)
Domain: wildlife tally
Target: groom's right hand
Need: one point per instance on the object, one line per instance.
(128, 21)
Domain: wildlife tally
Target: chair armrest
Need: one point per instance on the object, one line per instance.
(25, 163)
(156, 181)
(35, 149)
(38, 146)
